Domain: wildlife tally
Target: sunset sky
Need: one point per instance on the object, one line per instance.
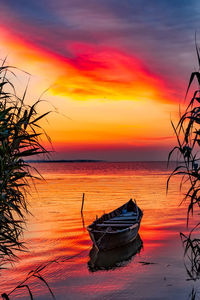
(116, 71)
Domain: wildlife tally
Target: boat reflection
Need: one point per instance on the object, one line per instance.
(114, 258)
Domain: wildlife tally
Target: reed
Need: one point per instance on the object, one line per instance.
(20, 138)
(188, 142)
(37, 273)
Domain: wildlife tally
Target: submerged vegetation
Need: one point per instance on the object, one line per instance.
(192, 252)
(20, 134)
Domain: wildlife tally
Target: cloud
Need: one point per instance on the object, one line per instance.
(107, 73)
(159, 33)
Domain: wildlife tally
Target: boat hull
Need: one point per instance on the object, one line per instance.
(110, 240)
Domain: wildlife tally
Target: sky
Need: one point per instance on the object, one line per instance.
(116, 71)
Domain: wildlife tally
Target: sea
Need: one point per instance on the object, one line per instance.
(59, 247)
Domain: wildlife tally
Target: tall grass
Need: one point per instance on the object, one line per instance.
(188, 142)
(20, 134)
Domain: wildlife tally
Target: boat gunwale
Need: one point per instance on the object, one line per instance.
(91, 228)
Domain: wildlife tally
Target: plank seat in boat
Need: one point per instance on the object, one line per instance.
(119, 218)
(119, 222)
(113, 225)
(129, 214)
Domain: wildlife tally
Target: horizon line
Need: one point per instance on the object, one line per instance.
(92, 160)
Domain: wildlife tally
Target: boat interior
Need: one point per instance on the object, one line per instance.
(119, 220)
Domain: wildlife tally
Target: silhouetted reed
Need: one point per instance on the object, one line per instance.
(20, 134)
(36, 273)
(188, 139)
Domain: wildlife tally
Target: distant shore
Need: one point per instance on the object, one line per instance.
(65, 161)
(93, 160)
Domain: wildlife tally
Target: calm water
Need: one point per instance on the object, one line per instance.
(56, 229)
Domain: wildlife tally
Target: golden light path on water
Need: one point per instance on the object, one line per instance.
(55, 229)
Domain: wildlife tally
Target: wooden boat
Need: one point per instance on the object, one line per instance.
(116, 228)
(114, 258)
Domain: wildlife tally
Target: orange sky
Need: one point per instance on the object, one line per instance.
(108, 103)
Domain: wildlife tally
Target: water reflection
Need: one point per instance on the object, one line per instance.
(114, 258)
(83, 220)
